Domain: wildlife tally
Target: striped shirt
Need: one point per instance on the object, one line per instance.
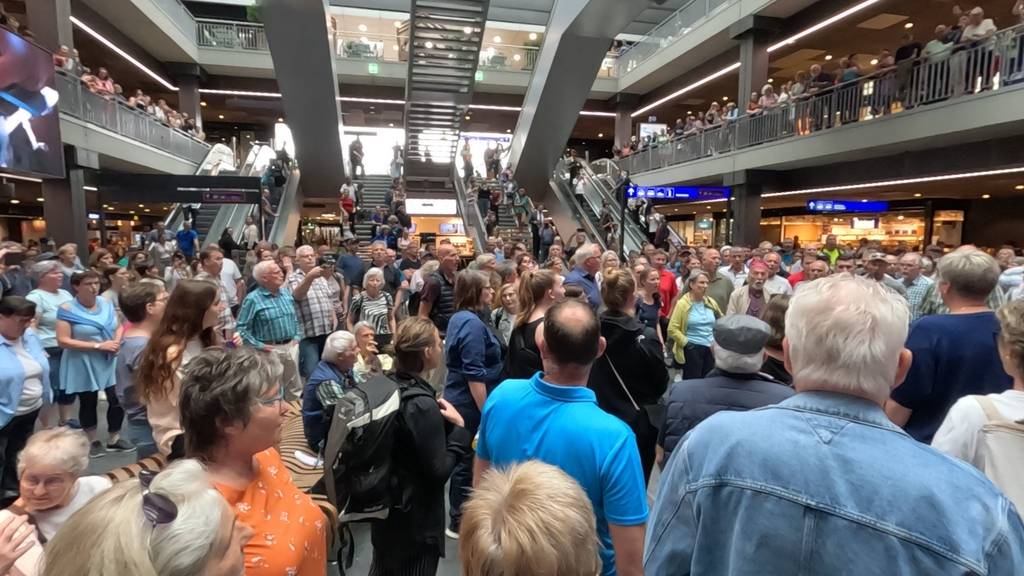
(932, 302)
(372, 310)
(227, 321)
(917, 291)
(316, 311)
(267, 317)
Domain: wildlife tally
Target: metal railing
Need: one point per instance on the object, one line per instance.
(472, 220)
(966, 69)
(566, 194)
(679, 24)
(115, 115)
(231, 35)
(180, 15)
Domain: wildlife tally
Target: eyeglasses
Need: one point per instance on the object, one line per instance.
(157, 508)
(275, 400)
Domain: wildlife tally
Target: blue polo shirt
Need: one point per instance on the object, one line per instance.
(563, 426)
(579, 277)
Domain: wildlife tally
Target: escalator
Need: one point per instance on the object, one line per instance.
(584, 208)
(472, 220)
(286, 226)
(598, 190)
(606, 178)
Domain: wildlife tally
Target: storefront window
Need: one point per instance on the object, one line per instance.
(890, 230)
(948, 227)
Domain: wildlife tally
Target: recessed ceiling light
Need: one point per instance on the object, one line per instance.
(917, 195)
(873, 62)
(220, 116)
(391, 124)
(146, 210)
(395, 47)
(828, 57)
(986, 196)
(725, 98)
(1019, 187)
(467, 30)
(15, 201)
(142, 205)
(533, 35)
(508, 130)
(131, 211)
(40, 199)
(398, 24)
(497, 39)
(908, 25)
(516, 57)
(362, 27)
(770, 80)
(203, 104)
(429, 45)
(900, 217)
(467, 117)
(600, 134)
(280, 119)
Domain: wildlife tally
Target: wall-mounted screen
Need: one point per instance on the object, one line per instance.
(29, 122)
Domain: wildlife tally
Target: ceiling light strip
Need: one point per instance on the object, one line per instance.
(899, 182)
(685, 89)
(4, 175)
(123, 54)
(823, 24)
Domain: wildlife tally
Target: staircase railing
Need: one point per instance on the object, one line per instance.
(608, 184)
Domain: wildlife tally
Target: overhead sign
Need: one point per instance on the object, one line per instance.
(224, 197)
(679, 192)
(431, 206)
(831, 206)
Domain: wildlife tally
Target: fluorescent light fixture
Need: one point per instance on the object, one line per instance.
(40, 199)
(900, 182)
(240, 93)
(490, 107)
(123, 54)
(15, 177)
(685, 89)
(823, 24)
(369, 100)
(90, 188)
(587, 113)
(15, 201)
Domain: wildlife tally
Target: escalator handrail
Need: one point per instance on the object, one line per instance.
(632, 234)
(471, 217)
(560, 185)
(674, 236)
(216, 150)
(285, 209)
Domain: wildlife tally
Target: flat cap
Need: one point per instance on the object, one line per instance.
(742, 334)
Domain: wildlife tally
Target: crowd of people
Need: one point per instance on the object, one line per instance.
(545, 386)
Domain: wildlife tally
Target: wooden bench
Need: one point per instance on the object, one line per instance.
(292, 440)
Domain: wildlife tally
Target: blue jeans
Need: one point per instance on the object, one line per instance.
(310, 350)
(139, 432)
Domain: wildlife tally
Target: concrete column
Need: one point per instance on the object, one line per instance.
(65, 212)
(755, 34)
(50, 21)
(745, 207)
(625, 104)
(188, 77)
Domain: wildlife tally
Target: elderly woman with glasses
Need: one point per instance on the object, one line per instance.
(48, 297)
(24, 386)
(169, 524)
(232, 410)
(52, 488)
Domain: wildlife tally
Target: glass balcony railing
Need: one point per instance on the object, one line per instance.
(180, 15)
(995, 63)
(231, 35)
(676, 26)
(114, 115)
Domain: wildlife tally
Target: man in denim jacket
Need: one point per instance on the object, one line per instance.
(824, 483)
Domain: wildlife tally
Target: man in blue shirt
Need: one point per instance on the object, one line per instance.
(824, 483)
(555, 418)
(268, 322)
(188, 240)
(588, 262)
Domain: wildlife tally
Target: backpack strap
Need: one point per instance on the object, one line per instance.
(991, 412)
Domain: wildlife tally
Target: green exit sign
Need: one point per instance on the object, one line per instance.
(479, 76)
(373, 67)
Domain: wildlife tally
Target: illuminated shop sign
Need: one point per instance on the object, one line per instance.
(831, 206)
(697, 193)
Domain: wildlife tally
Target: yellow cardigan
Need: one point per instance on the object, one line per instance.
(677, 323)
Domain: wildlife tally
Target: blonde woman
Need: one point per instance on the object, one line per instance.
(503, 318)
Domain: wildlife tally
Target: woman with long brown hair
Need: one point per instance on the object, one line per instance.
(187, 327)
(538, 291)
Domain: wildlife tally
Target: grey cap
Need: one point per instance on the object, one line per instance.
(875, 256)
(742, 334)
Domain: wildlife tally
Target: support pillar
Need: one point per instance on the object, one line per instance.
(65, 212)
(754, 34)
(745, 207)
(50, 21)
(188, 77)
(624, 105)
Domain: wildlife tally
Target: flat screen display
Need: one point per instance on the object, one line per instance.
(29, 122)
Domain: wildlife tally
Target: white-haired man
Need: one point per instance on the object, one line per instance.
(267, 322)
(328, 380)
(736, 383)
(824, 483)
(584, 275)
(955, 354)
(316, 303)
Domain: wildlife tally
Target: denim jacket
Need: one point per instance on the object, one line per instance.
(12, 374)
(823, 483)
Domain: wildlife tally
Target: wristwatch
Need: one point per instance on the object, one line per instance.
(96, 346)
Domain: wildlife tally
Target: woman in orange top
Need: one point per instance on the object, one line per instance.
(232, 409)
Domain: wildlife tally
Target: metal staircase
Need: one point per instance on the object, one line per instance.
(444, 50)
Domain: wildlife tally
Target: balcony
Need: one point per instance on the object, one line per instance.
(673, 28)
(892, 107)
(97, 115)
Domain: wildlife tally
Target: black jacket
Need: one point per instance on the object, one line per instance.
(690, 402)
(425, 452)
(638, 358)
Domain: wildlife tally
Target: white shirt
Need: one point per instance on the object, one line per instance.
(229, 277)
(972, 32)
(737, 278)
(777, 285)
(32, 390)
(86, 487)
(960, 433)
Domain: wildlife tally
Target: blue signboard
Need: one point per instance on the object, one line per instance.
(831, 206)
(696, 193)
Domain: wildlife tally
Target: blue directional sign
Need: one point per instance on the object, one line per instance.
(832, 206)
(696, 193)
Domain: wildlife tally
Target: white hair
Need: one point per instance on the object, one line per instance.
(110, 535)
(363, 324)
(338, 342)
(845, 334)
(373, 272)
(305, 248)
(969, 272)
(585, 251)
(63, 448)
(261, 269)
(735, 362)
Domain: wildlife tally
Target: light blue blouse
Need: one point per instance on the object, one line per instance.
(12, 374)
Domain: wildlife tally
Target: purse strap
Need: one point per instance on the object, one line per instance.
(622, 384)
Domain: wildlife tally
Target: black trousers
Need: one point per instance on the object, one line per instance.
(699, 361)
(88, 414)
(13, 438)
(385, 563)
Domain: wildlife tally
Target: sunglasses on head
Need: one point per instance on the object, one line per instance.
(157, 508)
